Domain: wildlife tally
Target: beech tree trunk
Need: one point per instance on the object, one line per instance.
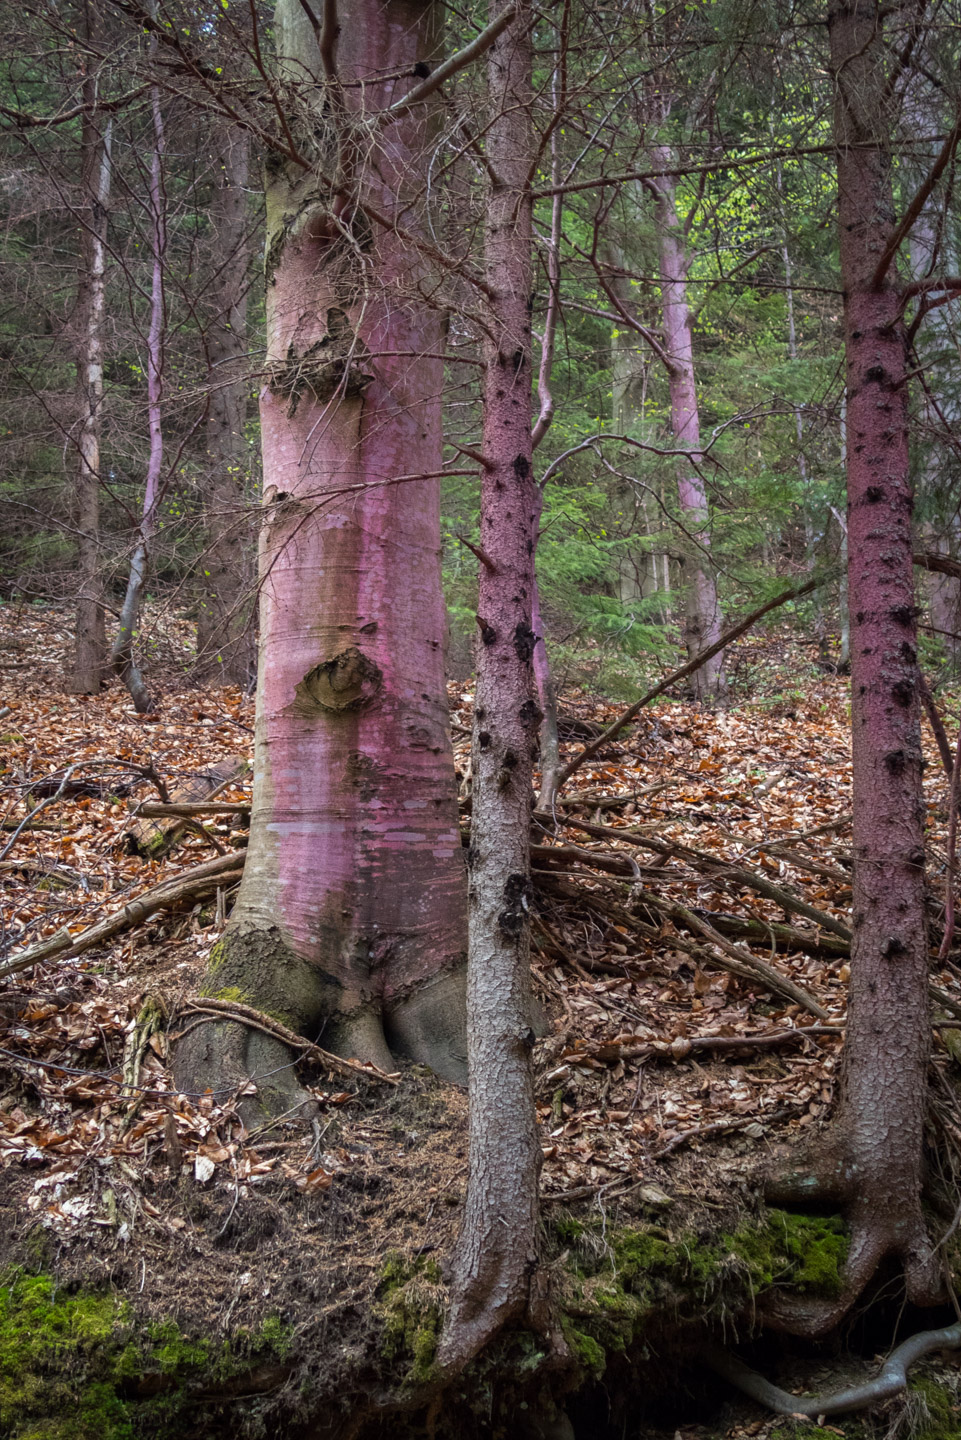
(497, 1251)
(875, 1166)
(122, 656)
(703, 618)
(350, 923)
(225, 649)
(90, 638)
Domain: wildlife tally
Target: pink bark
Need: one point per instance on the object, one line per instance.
(351, 918)
(704, 621)
(497, 1247)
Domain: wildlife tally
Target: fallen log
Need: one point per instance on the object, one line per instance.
(225, 870)
(148, 838)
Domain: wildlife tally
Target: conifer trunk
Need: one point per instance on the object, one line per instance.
(497, 1247)
(874, 1167)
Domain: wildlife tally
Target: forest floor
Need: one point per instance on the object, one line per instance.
(677, 1061)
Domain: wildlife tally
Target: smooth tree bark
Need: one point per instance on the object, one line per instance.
(225, 648)
(703, 619)
(497, 1253)
(90, 638)
(350, 924)
(122, 656)
(873, 1166)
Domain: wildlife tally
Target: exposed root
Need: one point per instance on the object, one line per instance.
(876, 1232)
(890, 1380)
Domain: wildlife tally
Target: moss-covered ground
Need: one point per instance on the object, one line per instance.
(617, 1281)
(78, 1367)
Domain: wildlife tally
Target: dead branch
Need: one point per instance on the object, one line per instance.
(717, 868)
(225, 870)
(200, 809)
(937, 725)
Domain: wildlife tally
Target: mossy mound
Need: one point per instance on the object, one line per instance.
(619, 1279)
(79, 1367)
(411, 1302)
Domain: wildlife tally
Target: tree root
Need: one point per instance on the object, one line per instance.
(257, 1020)
(890, 1380)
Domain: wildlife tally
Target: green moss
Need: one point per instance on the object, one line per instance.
(618, 1279)
(589, 1354)
(411, 1307)
(940, 1417)
(172, 1353)
(55, 1363)
(229, 992)
(803, 1432)
(71, 1365)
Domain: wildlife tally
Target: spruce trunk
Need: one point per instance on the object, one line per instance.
(497, 1247)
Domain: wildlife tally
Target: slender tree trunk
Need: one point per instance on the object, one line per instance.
(637, 577)
(876, 1168)
(704, 622)
(497, 1251)
(810, 526)
(224, 625)
(122, 651)
(350, 923)
(90, 643)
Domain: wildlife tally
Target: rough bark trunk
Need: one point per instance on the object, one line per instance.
(90, 640)
(225, 650)
(497, 1251)
(703, 620)
(122, 656)
(876, 1165)
(350, 924)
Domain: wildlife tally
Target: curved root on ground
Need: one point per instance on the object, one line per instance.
(891, 1379)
